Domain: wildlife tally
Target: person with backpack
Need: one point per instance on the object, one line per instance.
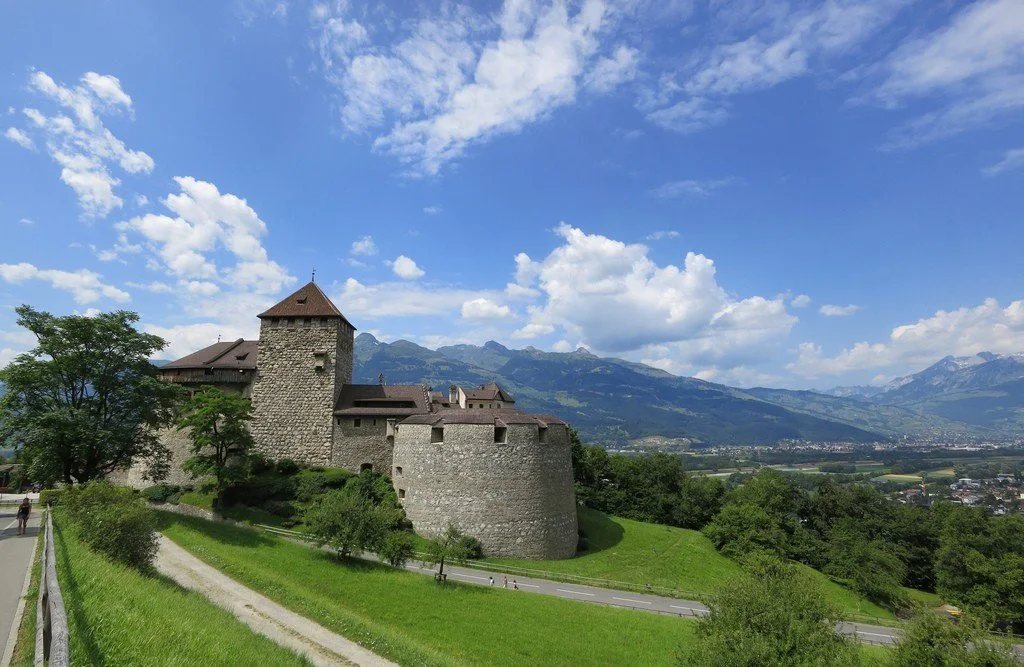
(24, 509)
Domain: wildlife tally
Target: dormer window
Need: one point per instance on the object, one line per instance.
(300, 299)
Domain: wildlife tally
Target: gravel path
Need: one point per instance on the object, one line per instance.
(318, 644)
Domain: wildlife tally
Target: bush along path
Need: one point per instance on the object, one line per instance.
(317, 644)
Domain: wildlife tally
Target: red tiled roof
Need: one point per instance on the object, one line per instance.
(372, 399)
(239, 355)
(309, 301)
(489, 392)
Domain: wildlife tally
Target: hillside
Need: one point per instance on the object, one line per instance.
(609, 400)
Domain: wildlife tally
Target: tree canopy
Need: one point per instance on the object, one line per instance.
(218, 424)
(86, 400)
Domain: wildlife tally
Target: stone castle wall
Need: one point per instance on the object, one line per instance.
(355, 446)
(516, 498)
(293, 402)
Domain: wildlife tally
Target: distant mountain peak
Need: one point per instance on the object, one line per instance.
(584, 352)
(495, 346)
(367, 339)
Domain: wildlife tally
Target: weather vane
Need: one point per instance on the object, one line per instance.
(314, 274)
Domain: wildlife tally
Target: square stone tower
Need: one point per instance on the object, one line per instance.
(305, 357)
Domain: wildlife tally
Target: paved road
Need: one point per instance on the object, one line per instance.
(15, 554)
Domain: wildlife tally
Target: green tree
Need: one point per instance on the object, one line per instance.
(451, 547)
(772, 615)
(349, 523)
(870, 566)
(932, 641)
(218, 423)
(742, 528)
(396, 548)
(85, 400)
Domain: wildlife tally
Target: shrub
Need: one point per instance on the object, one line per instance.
(312, 483)
(113, 521)
(257, 490)
(287, 467)
(175, 498)
(281, 508)
(51, 496)
(159, 493)
(473, 549)
(259, 464)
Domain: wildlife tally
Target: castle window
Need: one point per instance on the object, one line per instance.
(374, 422)
(490, 405)
(207, 371)
(366, 466)
(542, 433)
(398, 470)
(357, 422)
(301, 299)
(500, 435)
(337, 420)
(401, 494)
(291, 321)
(437, 434)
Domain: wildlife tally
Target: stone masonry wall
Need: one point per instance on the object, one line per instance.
(516, 498)
(293, 403)
(366, 443)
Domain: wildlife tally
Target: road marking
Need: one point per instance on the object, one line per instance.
(528, 586)
(562, 590)
(469, 576)
(630, 600)
(674, 606)
(874, 634)
(9, 526)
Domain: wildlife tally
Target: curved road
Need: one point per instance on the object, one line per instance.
(15, 557)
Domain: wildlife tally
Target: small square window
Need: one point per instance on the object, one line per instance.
(398, 470)
(401, 494)
(542, 433)
(291, 321)
(437, 434)
(500, 435)
(337, 420)
(357, 423)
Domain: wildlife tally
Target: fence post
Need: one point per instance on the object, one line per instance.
(51, 619)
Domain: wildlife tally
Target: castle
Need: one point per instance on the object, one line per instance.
(466, 457)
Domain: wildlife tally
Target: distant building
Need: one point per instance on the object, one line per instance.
(469, 457)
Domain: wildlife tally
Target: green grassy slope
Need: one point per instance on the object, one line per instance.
(118, 616)
(674, 558)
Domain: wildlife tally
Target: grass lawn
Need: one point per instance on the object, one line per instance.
(408, 618)
(675, 558)
(902, 477)
(118, 616)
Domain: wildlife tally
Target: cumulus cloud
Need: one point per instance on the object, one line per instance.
(910, 347)
(83, 147)
(612, 297)
(405, 267)
(1012, 159)
(402, 299)
(85, 286)
(447, 81)
(659, 235)
(364, 246)
(800, 301)
(829, 310)
(432, 210)
(484, 309)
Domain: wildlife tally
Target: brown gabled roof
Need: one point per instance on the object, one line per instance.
(380, 399)
(236, 355)
(489, 392)
(481, 416)
(309, 301)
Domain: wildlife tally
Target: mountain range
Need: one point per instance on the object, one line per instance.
(615, 402)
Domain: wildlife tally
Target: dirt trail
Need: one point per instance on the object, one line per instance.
(318, 644)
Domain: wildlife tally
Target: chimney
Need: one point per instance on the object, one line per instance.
(380, 379)
(453, 395)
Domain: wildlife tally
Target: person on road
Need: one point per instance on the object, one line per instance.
(490, 581)
(515, 585)
(504, 584)
(23, 511)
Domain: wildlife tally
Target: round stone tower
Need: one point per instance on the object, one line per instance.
(502, 476)
(304, 358)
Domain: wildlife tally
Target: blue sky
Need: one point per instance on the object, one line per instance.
(797, 194)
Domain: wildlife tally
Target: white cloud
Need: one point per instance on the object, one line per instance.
(432, 210)
(20, 138)
(1012, 159)
(85, 286)
(800, 301)
(691, 188)
(26, 221)
(402, 299)
(83, 147)
(204, 222)
(562, 346)
(459, 78)
(185, 339)
(121, 247)
(910, 347)
(973, 68)
(405, 267)
(659, 235)
(484, 309)
(829, 310)
(612, 297)
(689, 115)
(141, 200)
(364, 246)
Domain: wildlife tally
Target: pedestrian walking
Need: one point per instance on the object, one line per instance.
(490, 580)
(24, 509)
(515, 585)
(504, 584)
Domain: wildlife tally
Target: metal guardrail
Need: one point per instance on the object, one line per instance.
(51, 619)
